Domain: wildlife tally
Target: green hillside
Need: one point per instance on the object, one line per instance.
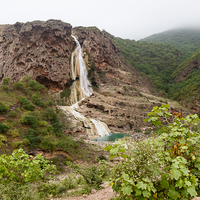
(187, 80)
(187, 40)
(156, 60)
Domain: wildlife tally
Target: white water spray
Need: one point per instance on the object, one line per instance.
(78, 67)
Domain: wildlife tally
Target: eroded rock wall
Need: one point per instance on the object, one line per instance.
(38, 49)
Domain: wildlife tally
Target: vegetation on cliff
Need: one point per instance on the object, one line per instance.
(157, 61)
(185, 39)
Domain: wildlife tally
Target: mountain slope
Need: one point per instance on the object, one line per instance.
(156, 61)
(187, 40)
(187, 82)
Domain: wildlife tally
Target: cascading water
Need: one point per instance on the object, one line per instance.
(85, 90)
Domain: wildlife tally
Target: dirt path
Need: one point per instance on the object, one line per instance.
(106, 193)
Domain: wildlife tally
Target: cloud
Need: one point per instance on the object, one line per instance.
(132, 19)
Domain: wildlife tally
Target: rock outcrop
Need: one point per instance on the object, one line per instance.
(38, 49)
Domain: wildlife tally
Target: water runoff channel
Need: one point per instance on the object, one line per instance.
(82, 86)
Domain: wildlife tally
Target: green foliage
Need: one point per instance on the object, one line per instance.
(66, 93)
(22, 168)
(29, 120)
(26, 103)
(155, 60)
(93, 174)
(187, 40)
(3, 139)
(166, 167)
(6, 81)
(33, 137)
(187, 89)
(49, 143)
(34, 85)
(3, 128)
(12, 114)
(3, 109)
(36, 99)
(14, 133)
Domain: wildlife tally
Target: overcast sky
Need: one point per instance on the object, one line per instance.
(133, 19)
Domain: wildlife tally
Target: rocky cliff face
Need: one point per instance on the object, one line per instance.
(104, 58)
(38, 49)
(43, 50)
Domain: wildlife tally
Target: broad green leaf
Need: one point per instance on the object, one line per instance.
(173, 194)
(124, 156)
(179, 183)
(192, 191)
(127, 190)
(156, 123)
(138, 192)
(108, 148)
(188, 183)
(164, 183)
(114, 151)
(141, 185)
(125, 177)
(175, 174)
(146, 193)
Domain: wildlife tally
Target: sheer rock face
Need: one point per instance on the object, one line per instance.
(38, 49)
(100, 51)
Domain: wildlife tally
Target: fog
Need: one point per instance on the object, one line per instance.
(133, 19)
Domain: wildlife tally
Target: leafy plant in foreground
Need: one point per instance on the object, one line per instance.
(171, 171)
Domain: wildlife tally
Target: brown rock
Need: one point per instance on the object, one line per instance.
(38, 49)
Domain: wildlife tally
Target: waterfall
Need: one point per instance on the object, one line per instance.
(85, 90)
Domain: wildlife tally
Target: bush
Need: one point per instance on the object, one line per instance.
(43, 123)
(37, 100)
(49, 114)
(33, 137)
(49, 143)
(2, 140)
(25, 168)
(17, 144)
(34, 85)
(3, 128)
(19, 85)
(3, 109)
(29, 120)
(12, 114)
(26, 104)
(14, 133)
(6, 81)
(163, 168)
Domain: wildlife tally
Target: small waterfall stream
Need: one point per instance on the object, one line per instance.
(84, 89)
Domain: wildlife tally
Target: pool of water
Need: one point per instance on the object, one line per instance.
(111, 138)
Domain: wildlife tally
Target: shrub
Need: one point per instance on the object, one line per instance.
(49, 114)
(34, 85)
(17, 144)
(14, 133)
(3, 128)
(19, 85)
(33, 137)
(6, 88)
(37, 100)
(6, 81)
(166, 167)
(26, 104)
(24, 169)
(49, 143)
(29, 120)
(12, 114)
(3, 109)
(43, 123)
(2, 140)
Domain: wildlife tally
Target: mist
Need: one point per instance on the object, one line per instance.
(133, 19)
